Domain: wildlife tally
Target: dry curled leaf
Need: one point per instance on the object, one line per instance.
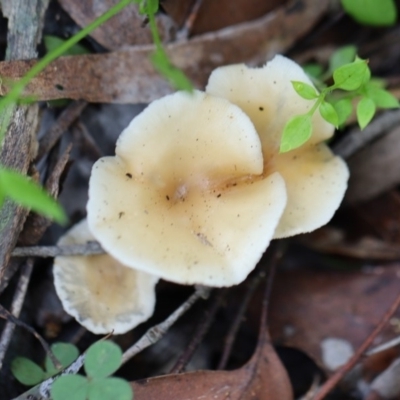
(127, 76)
(262, 378)
(318, 311)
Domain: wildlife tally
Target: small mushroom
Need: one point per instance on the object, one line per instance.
(102, 294)
(315, 179)
(185, 197)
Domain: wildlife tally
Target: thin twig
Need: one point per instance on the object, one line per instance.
(5, 314)
(66, 118)
(87, 249)
(185, 31)
(155, 333)
(200, 330)
(16, 307)
(233, 329)
(355, 139)
(384, 346)
(44, 388)
(341, 372)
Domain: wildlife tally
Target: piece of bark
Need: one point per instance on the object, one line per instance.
(127, 76)
(36, 224)
(25, 20)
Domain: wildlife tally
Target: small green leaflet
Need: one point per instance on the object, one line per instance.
(70, 387)
(372, 12)
(102, 359)
(27, 193)
(53, 42)
(351, 76)
(343, 55)
(365, 111)
(296, 132)
(313, 70)
(329, 114)
(381, 97)
(147, 7)
(343, 109)
(305, 90)
(26, 371)
(66, 353)
(29, 373)
(110, 389)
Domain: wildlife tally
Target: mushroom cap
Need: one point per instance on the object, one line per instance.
(315, 179)
(99, 292)
(184, 198)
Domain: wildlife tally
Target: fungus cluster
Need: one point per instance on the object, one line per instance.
(198, 188)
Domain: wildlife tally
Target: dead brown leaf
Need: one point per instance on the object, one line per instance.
(214, 15)
(262, 378)
(127, 76)
(124, 29)
(310, 306)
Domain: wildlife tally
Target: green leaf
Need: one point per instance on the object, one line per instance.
(381, 97)
(343, 109)
(313, 70)
(378, 82)
(343, 55)
(175, 76)
(26, 371)
(27, 193)
(70, 387)
(53, 42)
(296, 132)
(365, 111)
(329, 114)
(305, 90)
(110, 389)
(66, 353)
(372, 12)
(147, 7)
(351, 76)
(102, 359)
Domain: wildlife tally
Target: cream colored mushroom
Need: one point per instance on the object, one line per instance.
(103, 295)
(185, 197)
(315, 179)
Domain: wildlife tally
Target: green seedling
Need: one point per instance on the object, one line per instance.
(372, 12)
(351, 80)
(102, 360)
(29, 373)
(159, 58)
(53, 42)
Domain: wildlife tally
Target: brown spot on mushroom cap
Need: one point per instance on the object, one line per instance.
(315, 179)
(102, 294)
(187, 148)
